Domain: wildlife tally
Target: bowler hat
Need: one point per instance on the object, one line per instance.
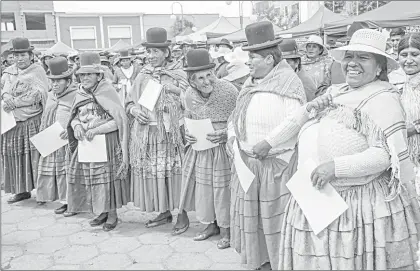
(125, 54)
(289, 49)
(260, 35)
(90, 62)
(59, 68)
(224, 42)
(198, 59)
(21, 45)
(104, 59)
(156, 37)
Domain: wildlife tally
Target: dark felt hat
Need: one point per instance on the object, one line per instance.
(198, 59)
(156, 37)
(224, 42)
(289, 49)
(260, 35)
(125, 54)
(90, 62)
(59, 68)
(21, 45)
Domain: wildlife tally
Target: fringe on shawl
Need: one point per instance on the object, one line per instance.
(363, 124)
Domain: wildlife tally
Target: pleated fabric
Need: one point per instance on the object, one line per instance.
(95, 187)
(371, 235)
(19, 157)
(257, 216)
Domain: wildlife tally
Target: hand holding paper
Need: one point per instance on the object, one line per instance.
(199, 129)
(93, 151)
(49, 140)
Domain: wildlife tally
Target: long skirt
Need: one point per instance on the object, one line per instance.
(256, 216)
(19, 158)
(96, 187)
(417, 181)
(371, 235)
(156, 185)
(205, 185)
(51, 183)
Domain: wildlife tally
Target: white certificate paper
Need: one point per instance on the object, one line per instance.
(199, 129)
(7, 120)
(320, 207)
(92, 151)
(49, 140)
(150, 94)
(245, 175)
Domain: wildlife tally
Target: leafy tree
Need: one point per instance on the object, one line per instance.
(180, 25)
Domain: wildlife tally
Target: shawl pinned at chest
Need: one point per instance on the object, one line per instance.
(107, 98)
(282, 81)
(375, 110)
(30, 84)
(167, 103)
(65, 99)
(217, 107)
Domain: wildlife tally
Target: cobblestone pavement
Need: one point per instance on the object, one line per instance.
(33, 237)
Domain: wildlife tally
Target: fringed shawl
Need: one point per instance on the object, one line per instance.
(375, 111)
(167, 103)
(49, 116)
(282, 80)
(217, 107)
(107, 98)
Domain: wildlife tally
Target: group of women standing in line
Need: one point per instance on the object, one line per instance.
(367, 156)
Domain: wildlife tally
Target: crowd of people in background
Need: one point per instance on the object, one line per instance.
(355, 109)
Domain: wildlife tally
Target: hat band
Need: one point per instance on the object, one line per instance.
(289, 53)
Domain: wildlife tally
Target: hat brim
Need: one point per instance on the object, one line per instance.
(261, 46)
(338, 53)
(31, 48)
(89, 70)
(242, 72)
(228, 45)
(291, 56)
(200, 68)
(156, 45)
(68, 73)
(317, 43)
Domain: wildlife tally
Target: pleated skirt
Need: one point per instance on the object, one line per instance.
(205, 189)
(257, 216)
(371, 235)
(52, 183)
(95, 187)
(156, 185)
(19, 157)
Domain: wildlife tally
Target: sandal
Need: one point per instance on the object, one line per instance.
(223, 243)
(154, 223)
(178, 231)
(204, 235)
(98, 221)
(110, 227)
(61, 210)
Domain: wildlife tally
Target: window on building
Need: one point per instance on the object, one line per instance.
(83, 37)
(119, 32)
(8, 22)
(35, 21)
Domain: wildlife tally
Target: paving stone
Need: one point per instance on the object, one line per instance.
(88, 238)
(65, 267)
(119, 245)
(188, 261)
(223, 255)
(46, 245)
(5, 208)
(61, 229)
(125, 229)
(108, 262)
(44, 210)
(227, 266)
(76, 219)
(75, 254)
(157, 238)
(16, 216)
(20, 237)
(136, 216)
(146, 266)
(8, 228)
(8, 253)
(32, 262)
(36, 223)
(188, 245)
(151, 254)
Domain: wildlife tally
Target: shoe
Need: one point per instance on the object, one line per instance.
(97, 222)
(223, 243)
(178, 231)
(204, 235)
(155, 223)
(61, 210)
(40, 203)
(110, 227)
(19, 197)
(68, 214)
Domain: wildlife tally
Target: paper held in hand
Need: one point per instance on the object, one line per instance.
(150, 94)
(320, 207)
(7, 120)
(93, 151)
(199, 129)
(245, 175)
(49, 140)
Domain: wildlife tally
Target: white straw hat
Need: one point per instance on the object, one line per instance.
(316, 40)
(365, 40)
(236, 70)
(237, 55)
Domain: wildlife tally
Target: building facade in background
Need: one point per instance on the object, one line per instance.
(32, 19)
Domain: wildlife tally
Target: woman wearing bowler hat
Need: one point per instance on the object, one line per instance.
(156, 143)
(52, 183)
(24, 93)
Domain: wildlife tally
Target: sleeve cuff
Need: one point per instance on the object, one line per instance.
(342, 167)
